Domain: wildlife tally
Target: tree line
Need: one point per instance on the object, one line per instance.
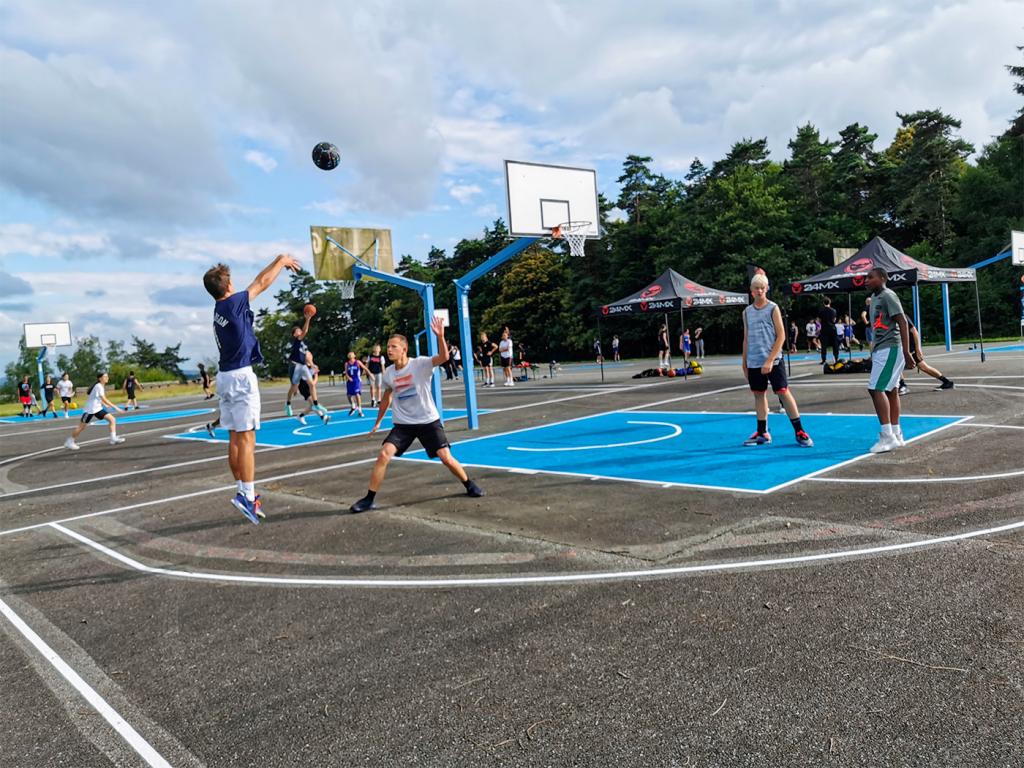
(921, 192)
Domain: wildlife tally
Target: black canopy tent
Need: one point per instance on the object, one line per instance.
(851, 275)
(671, 291)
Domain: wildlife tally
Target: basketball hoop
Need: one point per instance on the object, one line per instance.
(347, 288)
(574, 233)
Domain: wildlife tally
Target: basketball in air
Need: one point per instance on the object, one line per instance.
(309, 310)
(326, 156)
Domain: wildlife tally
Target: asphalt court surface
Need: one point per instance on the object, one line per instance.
(870, 614)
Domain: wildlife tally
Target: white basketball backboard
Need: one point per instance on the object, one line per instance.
(47, 335)
(445, 316)
(1017, 248)
(541, 197)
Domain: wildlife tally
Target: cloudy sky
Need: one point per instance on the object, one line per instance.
(142, 142)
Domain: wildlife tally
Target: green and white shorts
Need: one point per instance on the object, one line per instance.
(886, 369)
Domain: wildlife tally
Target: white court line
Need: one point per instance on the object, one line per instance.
(992, 426)
(144, 749)
(183, 496)
(557, 578)
(676, 431)
(892, 480)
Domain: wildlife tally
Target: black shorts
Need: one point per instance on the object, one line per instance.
(431, 437)
(777, 378)
(662, 346)
(130, 393)
(100, 415)
(487, 362)
(506, 362)
(65, 399)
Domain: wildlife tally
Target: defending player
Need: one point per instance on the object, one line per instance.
(890, 332)
(300, 370)
(354, 369)
(96, 409)
(415, 417)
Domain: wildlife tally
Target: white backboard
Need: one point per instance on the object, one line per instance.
(444, 315)
(540, 197)
(1017, 248)
(47, 335)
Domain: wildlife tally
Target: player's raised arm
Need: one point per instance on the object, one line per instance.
(437, 326)
(269, 274)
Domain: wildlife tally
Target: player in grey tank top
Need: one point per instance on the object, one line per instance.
(763, 337)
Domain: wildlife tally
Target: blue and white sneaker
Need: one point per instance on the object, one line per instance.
(247, 508)
(325, 417)
(288, 409)
(302, 419)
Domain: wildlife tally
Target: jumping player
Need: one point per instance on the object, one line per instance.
(763, 337)
(414, 414)
(66, 390)
(129, 385)
(236, 381)
(300, 370)
(354, 383)
(890, 332)
(95, 408)
(375, 365)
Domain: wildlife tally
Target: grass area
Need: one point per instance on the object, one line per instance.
(145, 395)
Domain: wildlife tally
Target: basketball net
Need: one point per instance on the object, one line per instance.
(347, 288)
(574, 233)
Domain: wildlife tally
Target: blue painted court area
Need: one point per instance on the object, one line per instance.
(694, 450)
(132, 417)
(288, 432)
(1000, 348)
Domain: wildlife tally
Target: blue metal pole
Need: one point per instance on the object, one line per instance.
(462, 287)
(428, 315)
(39, 369)
(466, 341)
(416, 340)
(947, 327)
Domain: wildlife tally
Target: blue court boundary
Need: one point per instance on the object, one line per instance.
(783, 459)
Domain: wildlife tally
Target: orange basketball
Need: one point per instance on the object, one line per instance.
(309, 310)
(671, 372)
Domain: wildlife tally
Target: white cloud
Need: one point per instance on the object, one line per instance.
(261, 160)
(464, 192)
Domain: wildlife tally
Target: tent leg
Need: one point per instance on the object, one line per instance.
(981, 335)
(682, 330)
(917, 310)
(849, 314)
(600, 357)
(946, 326)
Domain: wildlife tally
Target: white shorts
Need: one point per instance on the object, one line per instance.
(886, 369)
(301, 373)
(239, 400)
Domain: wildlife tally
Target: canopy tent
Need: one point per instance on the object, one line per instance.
(851, 275)
(669, 292)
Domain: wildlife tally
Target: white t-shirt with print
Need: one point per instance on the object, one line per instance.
(505, 347)
(411, 401)
(95, 401)
(65, 388)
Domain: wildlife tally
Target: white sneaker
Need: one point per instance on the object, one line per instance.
(885, 444)
(66, 416)
(900, 442)
(116, 440)
(71, 445)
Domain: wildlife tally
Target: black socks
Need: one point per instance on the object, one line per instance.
(762, 426)
(371, 495)
(797, 426)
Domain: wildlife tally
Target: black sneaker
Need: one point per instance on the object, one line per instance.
(363, 505)
(903, 389)
(947, 384)
(474, 490)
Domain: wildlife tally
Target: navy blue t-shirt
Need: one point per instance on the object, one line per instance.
(299, 350)
(232, 327)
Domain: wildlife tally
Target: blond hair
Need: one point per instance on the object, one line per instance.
(759, 281)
